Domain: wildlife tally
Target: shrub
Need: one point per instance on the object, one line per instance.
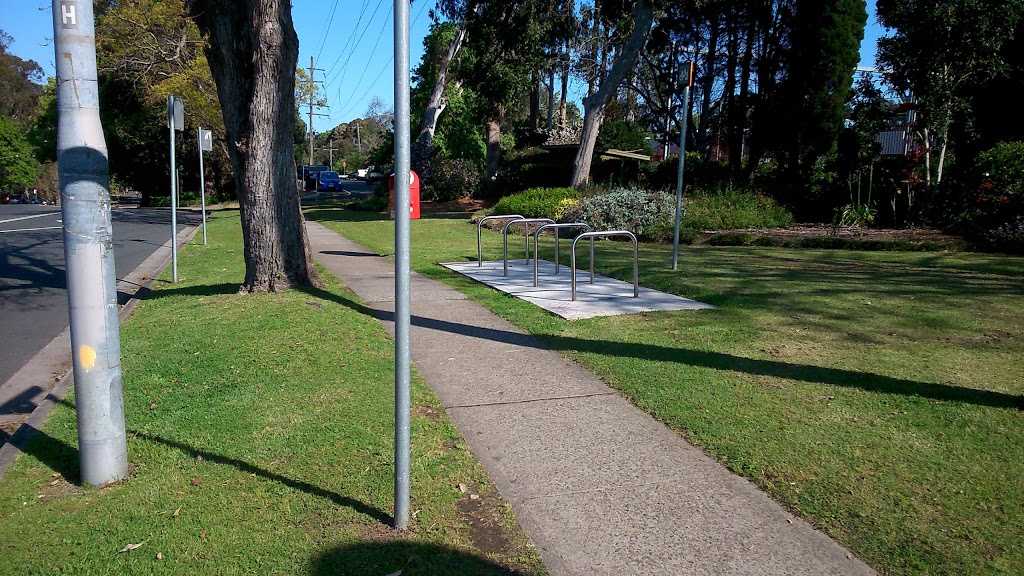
(1008, 237)
(647, 214)
(451, 179)
(536, 202)
(730, 208)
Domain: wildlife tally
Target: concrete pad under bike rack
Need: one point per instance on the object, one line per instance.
(605, 297)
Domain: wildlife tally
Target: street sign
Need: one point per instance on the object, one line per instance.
(175, 113)
(205, 140)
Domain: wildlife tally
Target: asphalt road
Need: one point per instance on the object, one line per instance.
(33, 295)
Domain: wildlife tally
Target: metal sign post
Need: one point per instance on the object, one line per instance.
(679, 178)
(175, 123)
(205, 139)
(402, 318)
(88, 253)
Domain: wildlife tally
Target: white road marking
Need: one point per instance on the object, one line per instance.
(31, 229)
(28, 217)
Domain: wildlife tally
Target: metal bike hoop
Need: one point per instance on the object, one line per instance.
(605, 234)
(479, 241)
(526, 237)
(556, 227)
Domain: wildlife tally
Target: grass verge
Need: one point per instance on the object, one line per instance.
(260, 434)
(878, 395)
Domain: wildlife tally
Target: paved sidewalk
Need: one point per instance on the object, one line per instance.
(599, 486)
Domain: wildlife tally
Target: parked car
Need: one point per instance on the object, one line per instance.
(372, 177)
(328, 180)
(309, 174)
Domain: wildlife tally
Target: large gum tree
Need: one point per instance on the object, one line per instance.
(253, 51)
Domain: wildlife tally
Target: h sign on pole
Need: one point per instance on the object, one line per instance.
(205, 145)
(88, 250)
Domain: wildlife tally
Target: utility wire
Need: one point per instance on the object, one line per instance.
(327, 30)
(385, 67)
(344, 67)
(348, 42)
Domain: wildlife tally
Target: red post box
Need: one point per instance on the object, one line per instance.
(414, 195)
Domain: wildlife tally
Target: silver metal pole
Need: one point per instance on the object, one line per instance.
(88, 252)
(402, 256)
(679, 177)
(174, 192)
(202, 180)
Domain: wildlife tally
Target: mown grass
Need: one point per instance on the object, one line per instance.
(878, 395)
(260, 434)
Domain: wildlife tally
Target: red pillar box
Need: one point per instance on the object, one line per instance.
(414, 195)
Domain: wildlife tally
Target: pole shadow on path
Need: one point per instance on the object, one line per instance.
(405, 558)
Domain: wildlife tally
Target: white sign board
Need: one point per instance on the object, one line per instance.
(179, 115)
(205, 140)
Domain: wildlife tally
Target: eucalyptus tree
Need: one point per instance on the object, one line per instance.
(253, 51)
(504, 44)
(638, 23)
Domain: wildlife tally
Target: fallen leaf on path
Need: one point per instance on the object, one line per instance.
(152, 406)
(396, 573)
(159, 555)
(56, 474)
(463, 488)
(474, 496)
(176, 513)
(202, 535)
(131, 547)
(197, 481)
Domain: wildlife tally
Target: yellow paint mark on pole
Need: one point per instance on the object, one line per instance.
(87, 356)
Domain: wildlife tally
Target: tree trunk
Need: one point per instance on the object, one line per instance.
(565, 87)
(551, 97)
(707, 85)
(927, 159)
(437, 103)
(534, 101)
(594, 105)
(743, 109)
(252, 52)
(493, 142)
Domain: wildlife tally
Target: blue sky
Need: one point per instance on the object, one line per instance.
(350, 39)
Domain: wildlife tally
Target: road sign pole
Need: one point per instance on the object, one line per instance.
(402, 252)
(202, 181)
(88, 252)
(174, 192)
(679, 177)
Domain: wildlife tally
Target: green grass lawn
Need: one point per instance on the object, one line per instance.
(878, 395)
(260, 432)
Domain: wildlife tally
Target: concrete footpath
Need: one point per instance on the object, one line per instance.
(599, 486)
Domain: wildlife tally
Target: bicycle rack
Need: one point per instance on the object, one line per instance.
(526, 236)
(479, 242)
(604, 234)
(556, 227)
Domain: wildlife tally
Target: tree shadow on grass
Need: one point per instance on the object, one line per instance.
(705, 359)
(62, 457)
(405, 557)
(361, 507)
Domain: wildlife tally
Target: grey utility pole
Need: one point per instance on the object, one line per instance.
(402, 173)
(312, 97)
(88, 253)
(175, 122)
(679, 177)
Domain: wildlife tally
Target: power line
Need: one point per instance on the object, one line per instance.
(367, 67)
(348, 42)
(344, 67)
(383, 68)
(327, 30)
